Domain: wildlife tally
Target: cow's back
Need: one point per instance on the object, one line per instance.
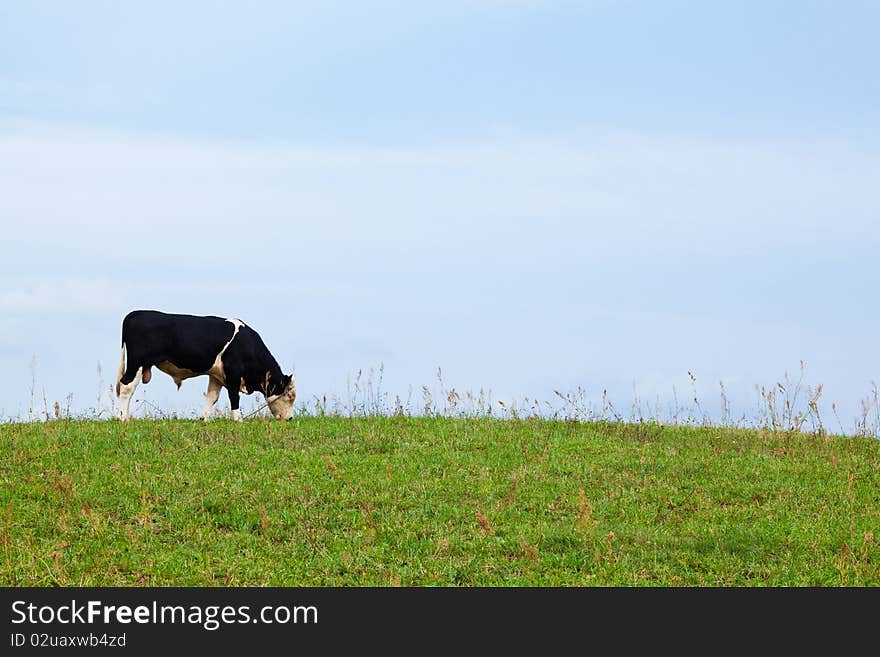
(187, 341)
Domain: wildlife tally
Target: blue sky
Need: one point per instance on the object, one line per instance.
(530, 195)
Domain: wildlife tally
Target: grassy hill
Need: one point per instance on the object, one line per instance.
(433, 501)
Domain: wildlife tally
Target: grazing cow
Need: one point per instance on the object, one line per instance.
(228, 351)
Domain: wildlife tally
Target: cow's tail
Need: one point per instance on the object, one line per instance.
(121, 369)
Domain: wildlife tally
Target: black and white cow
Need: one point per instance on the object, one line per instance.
(228, 351)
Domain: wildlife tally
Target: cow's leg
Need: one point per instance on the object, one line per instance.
(233, 388)
(211, 397)
(233, 404)
(126, 390)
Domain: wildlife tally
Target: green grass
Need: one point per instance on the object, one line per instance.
(433, 501)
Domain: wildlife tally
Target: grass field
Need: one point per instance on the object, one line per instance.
(418, 501)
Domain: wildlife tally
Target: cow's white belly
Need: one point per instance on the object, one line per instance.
(177, 373)
(180, 374)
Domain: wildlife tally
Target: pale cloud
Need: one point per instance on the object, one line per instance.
(639, 193)
(62, 295)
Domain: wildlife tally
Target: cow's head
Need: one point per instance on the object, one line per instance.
(280, 395)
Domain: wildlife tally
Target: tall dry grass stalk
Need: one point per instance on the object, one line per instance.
(785, 406)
